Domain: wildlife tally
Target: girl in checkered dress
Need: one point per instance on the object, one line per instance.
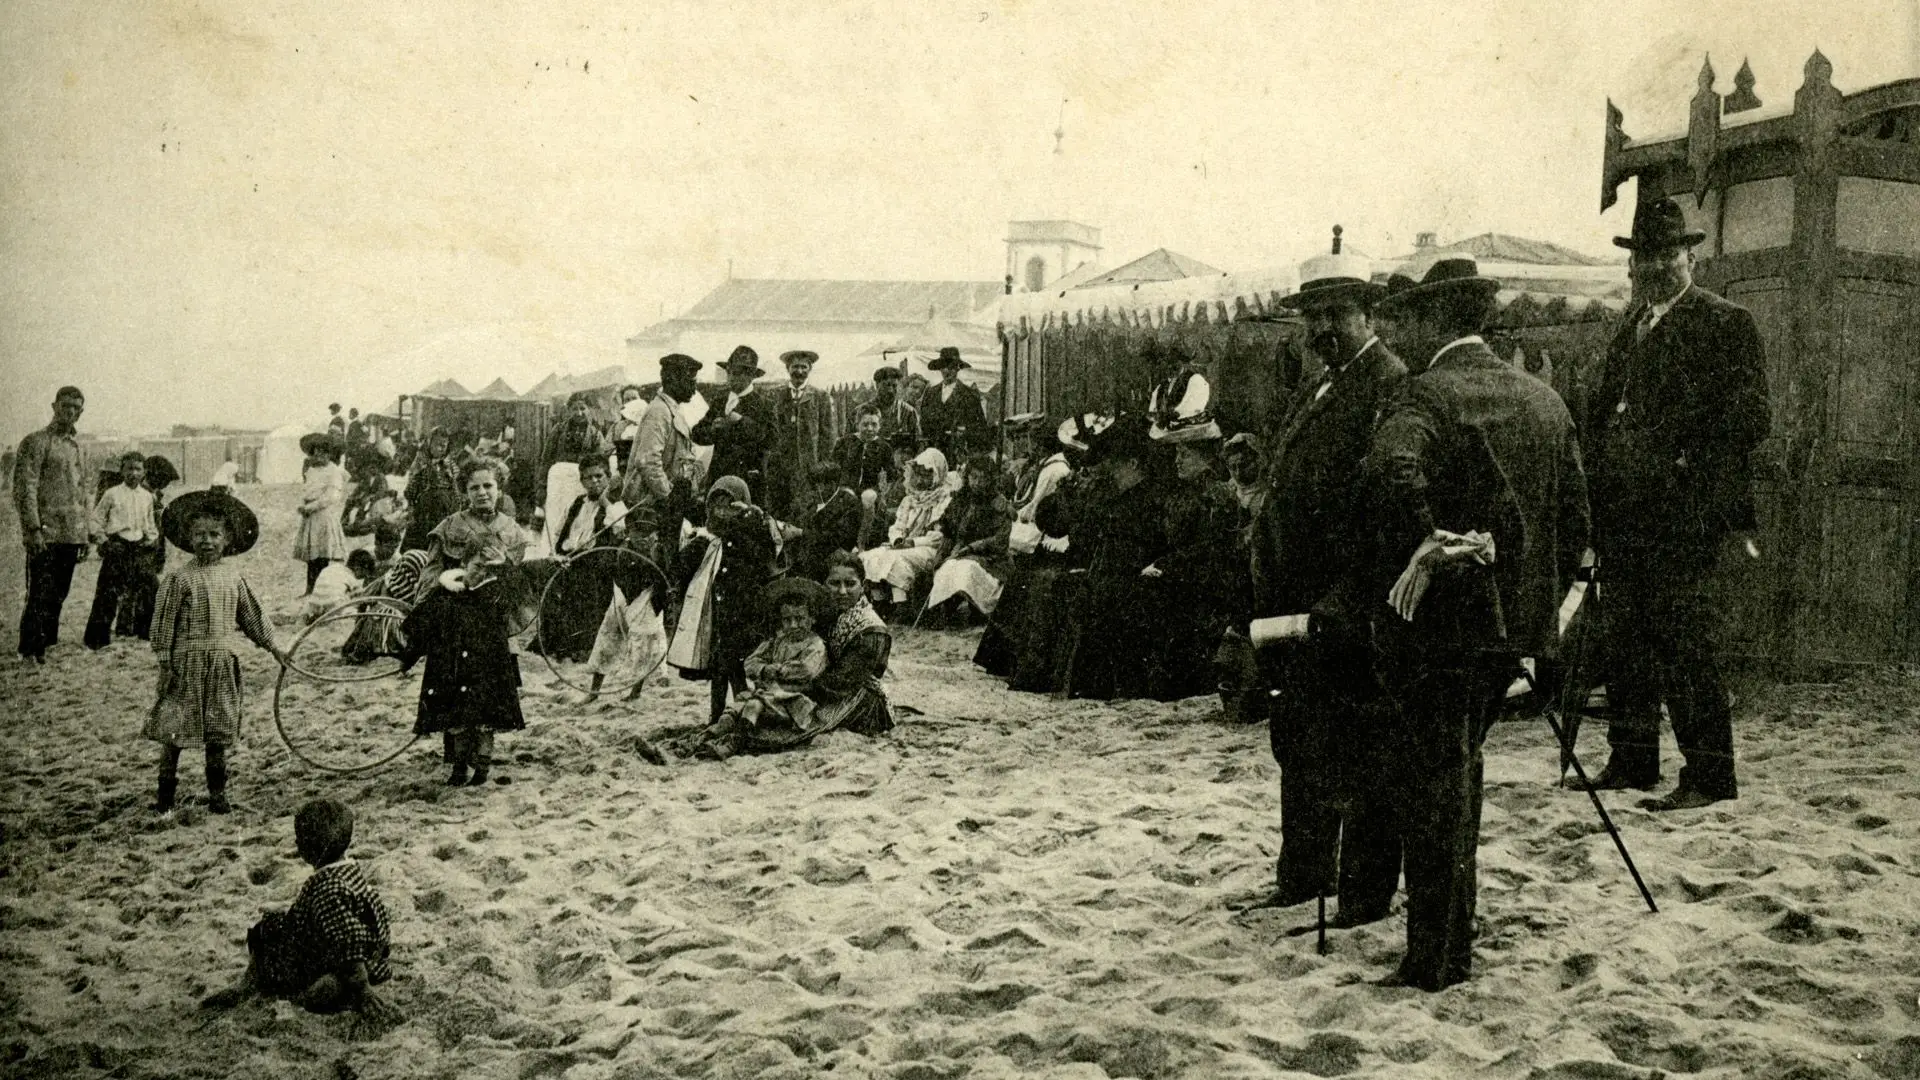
(199, 609)
(329, 949)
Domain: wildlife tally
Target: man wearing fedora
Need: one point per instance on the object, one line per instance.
(804, 426)
(1301, 549)
(1476, 523)
(1681, 404)
(662, 472)
(741, 429)
(952, 416)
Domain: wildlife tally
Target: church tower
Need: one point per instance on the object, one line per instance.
(1040, 253)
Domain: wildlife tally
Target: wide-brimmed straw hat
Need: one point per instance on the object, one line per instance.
(176, 522)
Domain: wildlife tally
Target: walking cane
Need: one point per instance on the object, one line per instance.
(1321, 923)
(1605, 819)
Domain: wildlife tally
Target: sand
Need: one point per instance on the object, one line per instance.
(1007, 886)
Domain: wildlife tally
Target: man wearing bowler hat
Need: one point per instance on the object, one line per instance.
(952, 416)
(1682, 403)
(804, 427)
(1302, 548)
(662, 472)
(741, 429)
(1476, 521)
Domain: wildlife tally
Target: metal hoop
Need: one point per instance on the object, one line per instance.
(663, 589)
(350, 609)
(396, 610)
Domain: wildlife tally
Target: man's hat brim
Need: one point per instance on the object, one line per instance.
(942, 363)
(1313, 297)
(1420, 295)
(243, 527)
(740, 367)
(1689, 238)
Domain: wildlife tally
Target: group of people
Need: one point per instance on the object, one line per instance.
(1368, 575)
(1422, 524)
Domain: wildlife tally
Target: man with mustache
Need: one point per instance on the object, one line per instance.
(1325, 702)
(1682, 403)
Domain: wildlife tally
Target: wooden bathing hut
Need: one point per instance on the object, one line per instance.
(1812, 216)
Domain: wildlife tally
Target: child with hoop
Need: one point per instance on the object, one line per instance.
(199, 607)
(472, 684)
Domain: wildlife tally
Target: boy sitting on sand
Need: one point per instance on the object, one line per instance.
(326, 951)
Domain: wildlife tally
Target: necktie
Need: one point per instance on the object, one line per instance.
(1649, 319)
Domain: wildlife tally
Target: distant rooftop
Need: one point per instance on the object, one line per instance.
(1499, 247)
(1156, 265)
(888, 303)
(1071, 231)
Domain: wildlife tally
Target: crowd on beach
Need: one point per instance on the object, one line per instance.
(1368, 577)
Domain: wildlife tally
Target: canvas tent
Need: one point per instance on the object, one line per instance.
(280, 456)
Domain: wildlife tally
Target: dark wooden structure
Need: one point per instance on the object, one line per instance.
(1812, 215)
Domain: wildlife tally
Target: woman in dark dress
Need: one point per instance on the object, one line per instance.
(1119, 521)
(975, 569)
(433, 491)
(833, 523)
(1201, 579)
(848, 694)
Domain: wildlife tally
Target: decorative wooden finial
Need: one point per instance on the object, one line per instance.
(1819, 70)
(1336, 239)
(1611, 174)
(1743, 98)
(1703, 132)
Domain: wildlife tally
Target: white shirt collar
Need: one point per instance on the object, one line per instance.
(1470, 339)
(1660, 309)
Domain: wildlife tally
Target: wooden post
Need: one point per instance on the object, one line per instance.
(1807, 504)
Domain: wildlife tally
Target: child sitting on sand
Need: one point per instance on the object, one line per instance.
(780, 670)
(329, 949)
(199, 607)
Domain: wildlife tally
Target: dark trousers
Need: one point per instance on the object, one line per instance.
(1436, 776)
(120, 569)
(1338, 833)
(1662, 651)
(49, 577)
(137, 603)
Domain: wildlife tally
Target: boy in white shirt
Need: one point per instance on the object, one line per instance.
(124, 528)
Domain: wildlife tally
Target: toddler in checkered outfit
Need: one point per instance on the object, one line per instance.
(327, 951)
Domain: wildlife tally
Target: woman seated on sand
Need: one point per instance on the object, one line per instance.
(916, 539)
(976, 524)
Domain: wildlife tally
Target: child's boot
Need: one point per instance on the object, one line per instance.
(482, 757)
(458, 777)
(169, 779)
(217, 780)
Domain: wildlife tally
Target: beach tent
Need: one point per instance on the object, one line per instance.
(280, 456)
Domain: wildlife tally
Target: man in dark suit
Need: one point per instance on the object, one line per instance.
(1301, 550)
(894, 412)
(804, 426)
(741, 428)
(1480, 455)
(1682, 402)
(952, 416)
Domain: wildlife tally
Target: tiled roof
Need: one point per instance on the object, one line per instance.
(1499, 247)
(772, 300)
(1156, 265)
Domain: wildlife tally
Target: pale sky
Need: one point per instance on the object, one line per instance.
(225, 212)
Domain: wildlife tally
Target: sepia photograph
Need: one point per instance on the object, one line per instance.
(982, 539)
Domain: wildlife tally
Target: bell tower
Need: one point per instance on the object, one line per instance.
(1040, 253)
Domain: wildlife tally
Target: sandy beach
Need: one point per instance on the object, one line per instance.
(1008, 885)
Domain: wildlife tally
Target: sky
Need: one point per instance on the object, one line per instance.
(233, 213)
